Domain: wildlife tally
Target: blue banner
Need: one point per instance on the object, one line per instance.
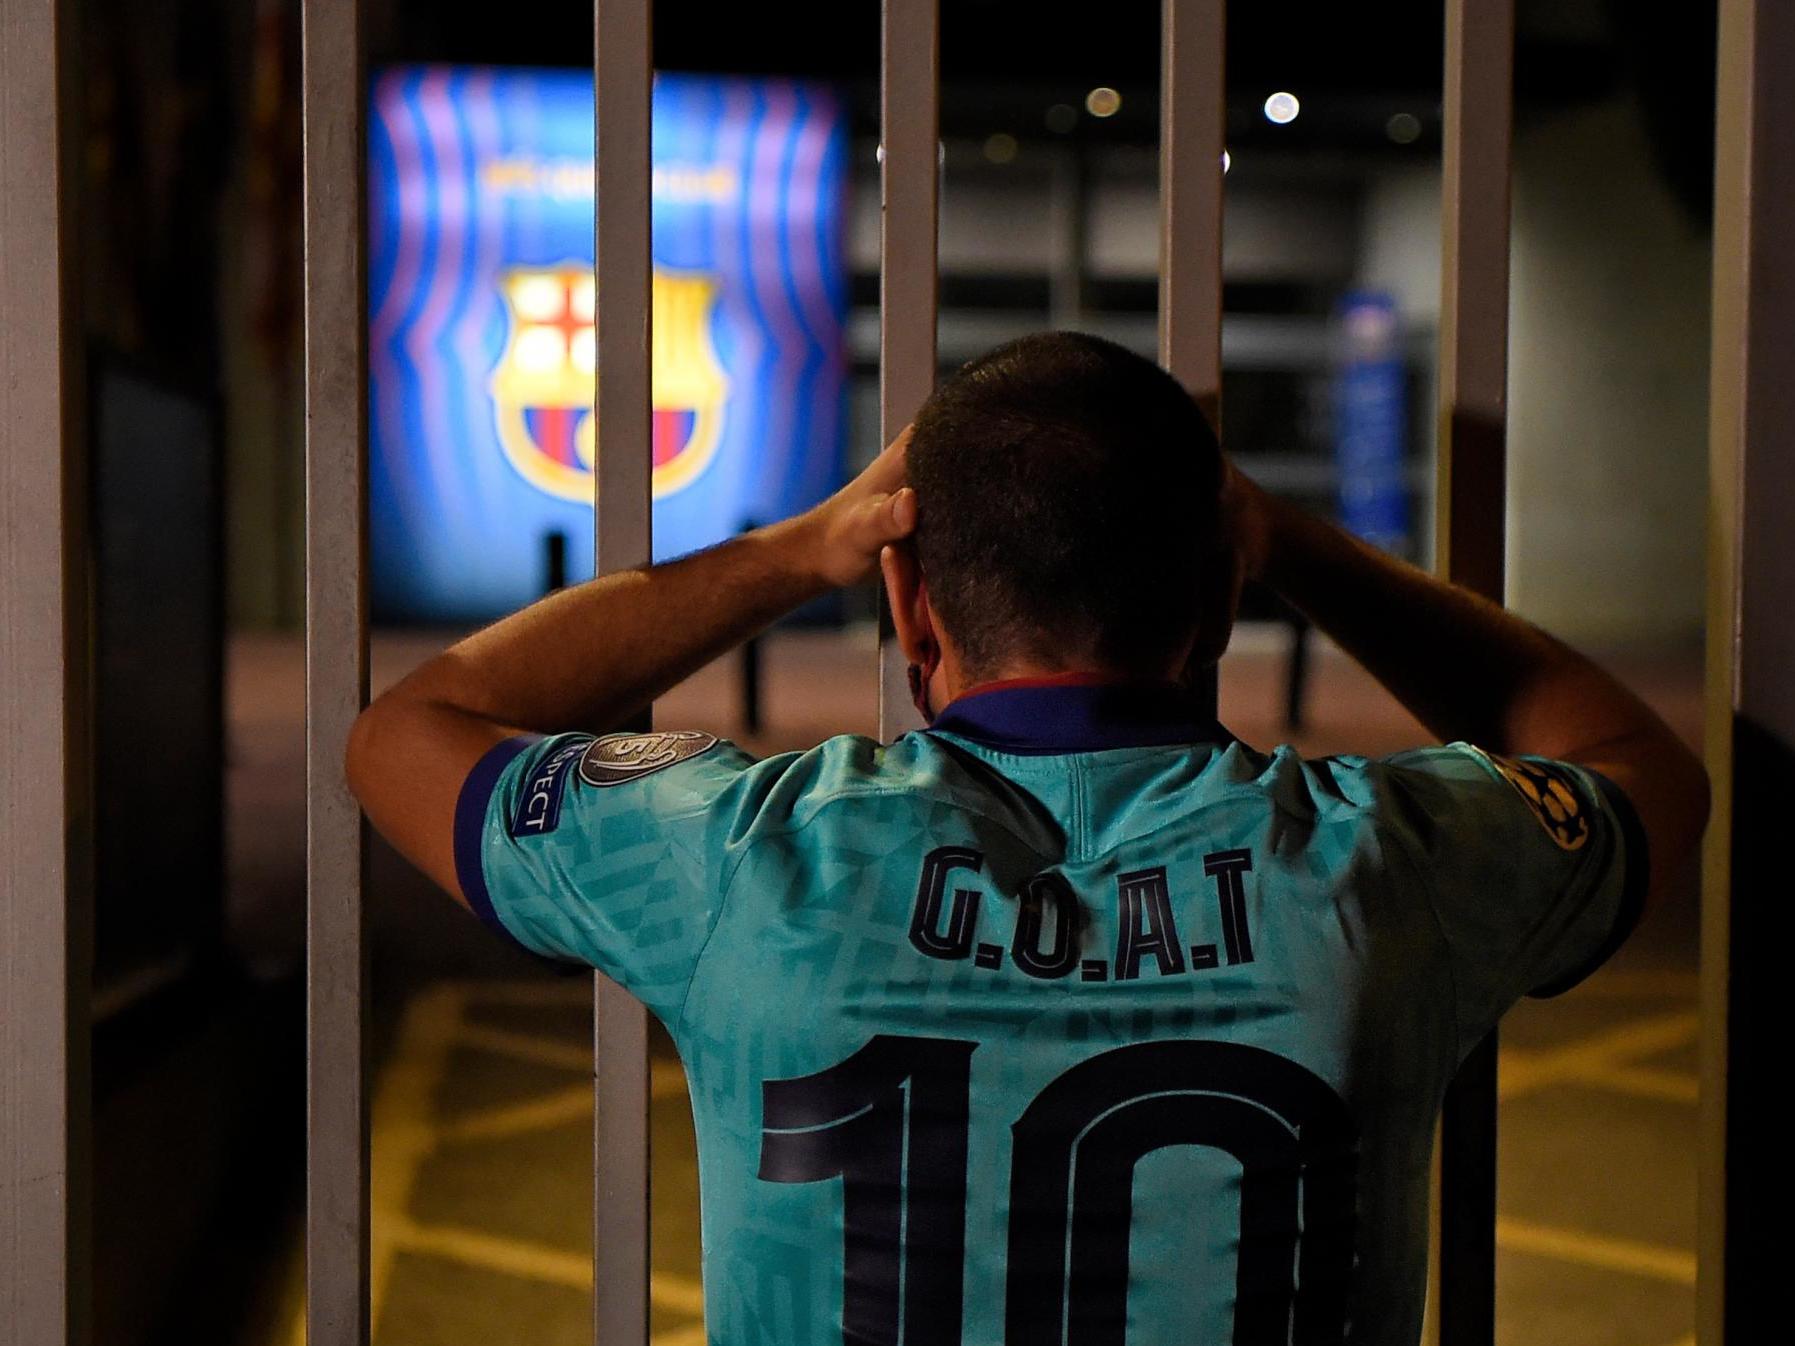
(1371, 422)
(481, 306)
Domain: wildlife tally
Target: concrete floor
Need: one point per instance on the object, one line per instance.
(482, 1115)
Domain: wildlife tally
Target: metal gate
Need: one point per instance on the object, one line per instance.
(45, 767)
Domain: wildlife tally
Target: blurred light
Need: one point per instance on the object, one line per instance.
(1103, 101)
(581, 302)
(539, 350)
(583, 350)
(879, 152)
(538, 298)
(1404, 128)
(1282, 108)
(1227, 161)
(1061, 118)
(1000, 148)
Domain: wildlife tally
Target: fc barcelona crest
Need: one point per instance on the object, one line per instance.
(543, 386)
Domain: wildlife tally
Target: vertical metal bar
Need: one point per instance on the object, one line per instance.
(46, 895)
(622, 78)
(336, 669)
(909, 198)
(1473, 375)
(1731, 279)
(1469, 527)
(1192, 136)
(1751, 672)
(1727, 406)
(1192, 131)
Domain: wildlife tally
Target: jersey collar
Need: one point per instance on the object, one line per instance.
(1078, 712)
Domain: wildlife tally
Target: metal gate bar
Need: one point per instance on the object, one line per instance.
(1193, 116)
(1470, 517)
(46, 890)
(1192, 127)
(336, 670)
(909, 206)
(622, 80)
(1750, 675)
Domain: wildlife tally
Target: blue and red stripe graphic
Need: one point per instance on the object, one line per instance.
(480, 303)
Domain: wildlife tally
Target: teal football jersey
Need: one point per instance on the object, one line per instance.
(1070, 1019)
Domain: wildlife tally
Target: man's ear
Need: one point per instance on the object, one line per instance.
(908, 599)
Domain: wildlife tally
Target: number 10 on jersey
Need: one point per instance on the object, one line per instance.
(892, 1120)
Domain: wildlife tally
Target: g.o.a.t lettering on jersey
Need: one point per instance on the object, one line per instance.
(1048, 942)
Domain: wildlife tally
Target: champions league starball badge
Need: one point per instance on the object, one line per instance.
(1552, 800)
(617, 758)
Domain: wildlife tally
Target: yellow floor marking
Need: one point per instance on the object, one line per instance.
(681, 1336)
(536, 1261)
(296, 1335)
(1596, 1250)
(1524, 1072)
(1671, 1086)
(539, 1051)
(571, 1104)
(402, 1133)
(493, 1252)
(679, 1294)
(402, 1122)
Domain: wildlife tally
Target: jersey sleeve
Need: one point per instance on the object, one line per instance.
(611, 852)
(1536, 869)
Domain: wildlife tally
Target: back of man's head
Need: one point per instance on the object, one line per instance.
(1067, 507)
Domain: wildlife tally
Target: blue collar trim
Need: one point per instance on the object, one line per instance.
(1044, 720)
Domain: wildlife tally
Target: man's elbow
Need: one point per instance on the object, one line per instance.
(362, 751)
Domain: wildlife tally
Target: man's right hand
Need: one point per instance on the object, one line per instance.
(1469, 669)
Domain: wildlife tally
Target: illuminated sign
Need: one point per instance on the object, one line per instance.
(481, 308)
(1371, 421)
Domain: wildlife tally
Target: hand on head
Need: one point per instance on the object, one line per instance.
(870, 512)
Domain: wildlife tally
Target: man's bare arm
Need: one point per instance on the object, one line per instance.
(593, 656)
(1469, 669)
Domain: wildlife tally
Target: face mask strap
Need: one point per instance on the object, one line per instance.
(919, 675)
(919, 686)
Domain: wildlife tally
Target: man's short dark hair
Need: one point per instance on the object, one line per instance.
(1067, 495)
